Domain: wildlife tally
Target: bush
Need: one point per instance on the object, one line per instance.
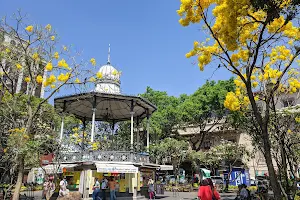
(252, 188)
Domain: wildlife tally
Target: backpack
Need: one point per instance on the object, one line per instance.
(249, 194)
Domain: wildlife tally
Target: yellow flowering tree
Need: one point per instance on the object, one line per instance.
(32, 63)
(258, 44)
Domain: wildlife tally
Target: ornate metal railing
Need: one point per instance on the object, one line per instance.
(113, 156)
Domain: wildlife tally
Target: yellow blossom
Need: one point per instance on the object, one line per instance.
(297, 119)
(48, 27)
(29, 28)
(289, 131)
(115, 72)
(254, 84)
(27, 79)
(256, 98)
(52, 37)
(35, 56)
(18, 66)
(51, 79)
(99, 75)
(25, 136)
(49, 66)
(56, 55)
(77, 80)
(39, 79)
(65, 48)
(94, 146)
(93, 61)
(63, 63)
(63, 77)
(7, 50)
(52, 86)
(232, 102)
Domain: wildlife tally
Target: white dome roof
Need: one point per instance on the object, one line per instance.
(109, 72)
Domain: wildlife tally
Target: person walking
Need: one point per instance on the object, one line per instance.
(206, 191)
(63, 187)
(103, 188)
(49, 188)
(151, 189)
(96, 189)
(112, 188)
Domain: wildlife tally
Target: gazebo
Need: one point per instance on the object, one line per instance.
(106, 103)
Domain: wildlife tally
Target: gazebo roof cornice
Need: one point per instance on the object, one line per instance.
(110, 107)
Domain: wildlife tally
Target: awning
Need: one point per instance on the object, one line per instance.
(53, 169)
(166, 167)
(116, 168)
(205, 173)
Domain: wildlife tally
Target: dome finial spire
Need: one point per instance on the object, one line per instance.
(108, 57)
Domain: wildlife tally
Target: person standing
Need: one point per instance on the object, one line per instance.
(48, 188)
(205, 191)
(96, 189)
(63, 187)
(151, 189)
(244, 194)
(112, 188)
(103, 188)
(215, 193)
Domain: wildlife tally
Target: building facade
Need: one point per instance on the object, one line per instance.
(256, 165)
(15, 81)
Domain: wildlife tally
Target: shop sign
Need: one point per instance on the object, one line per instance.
(106, 168)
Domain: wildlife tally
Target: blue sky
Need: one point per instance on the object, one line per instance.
(147, 43)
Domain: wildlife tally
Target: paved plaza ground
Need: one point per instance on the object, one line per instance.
(166, 196)
(191, 196)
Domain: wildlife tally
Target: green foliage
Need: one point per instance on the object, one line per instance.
(227, 152)
(170, 150)
(206, 102)
(167, 115)
(196, 109)
(16, 140)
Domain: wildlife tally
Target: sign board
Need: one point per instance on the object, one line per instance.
(113, 168)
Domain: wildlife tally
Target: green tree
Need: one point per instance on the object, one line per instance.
(166, 118)
(204, 110)
(14, 141)
(226, 154)
(170, 150)
(30, 57)
(256, 45)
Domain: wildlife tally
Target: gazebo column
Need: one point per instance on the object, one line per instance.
(137, 134)
(61, 129)
(93, 119)
(148, 130)
(131, 130)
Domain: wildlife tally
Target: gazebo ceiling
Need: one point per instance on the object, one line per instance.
(109, 107)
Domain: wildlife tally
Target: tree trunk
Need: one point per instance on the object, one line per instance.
(19, 179)
(267, 153)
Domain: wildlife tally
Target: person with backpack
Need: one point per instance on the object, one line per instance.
(104, 187)
(244, 193)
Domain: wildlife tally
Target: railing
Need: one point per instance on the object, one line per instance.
(112, 156)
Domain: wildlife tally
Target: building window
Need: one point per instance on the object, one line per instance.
(206, 145)
(288, 102)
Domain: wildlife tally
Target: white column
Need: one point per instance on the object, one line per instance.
(131, 130)
(138, 134)
(148, 129)
(61, 129)
(20, 79)
(44, 81)
(93, 124)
